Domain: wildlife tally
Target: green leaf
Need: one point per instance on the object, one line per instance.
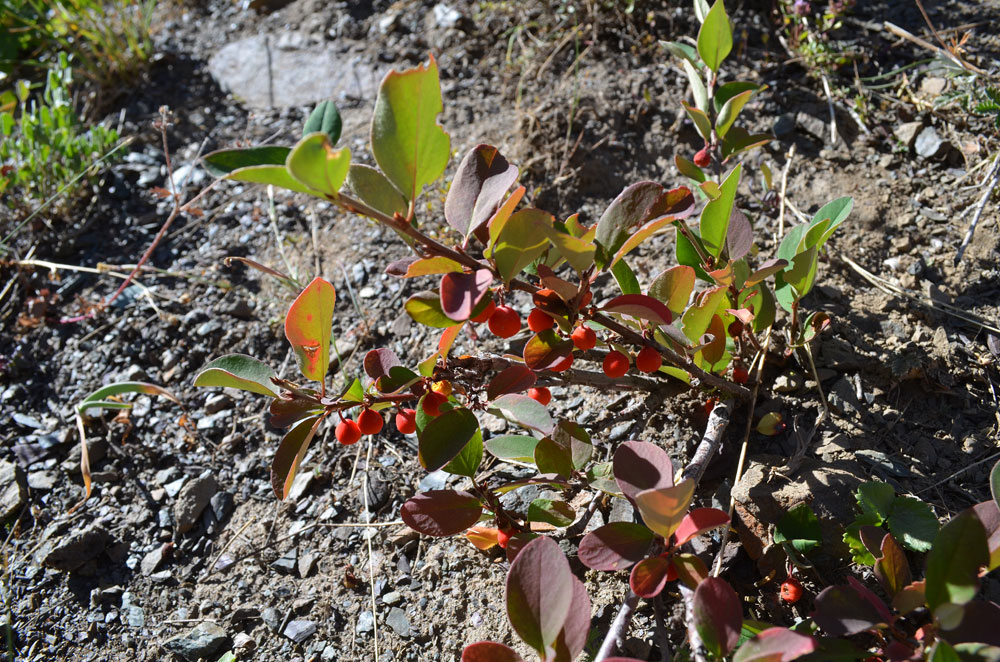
(272, 175)
(852, 537)
(943, 652)
(314, 162)
(326, 118)
(876, 499)
(551, 457)
(577, 252)
(518, 447)
(625, 277)
(715, 38)
(730, 111)
(697, 318)
(701, 121)
(673, 287)
(96, 400)
(913, 522)
(308, 328)
(959, 550)
(800, 528)
(525, 411)
(466, 463)
(715, 217)
(445, 436)
(556, 513)
(407, 143)
(697, 85)
(425, 308)
(288, 457)
(546, 349)
(238, 371)
(372, 188)
(225, 161)
(521, 241)
(826, 221)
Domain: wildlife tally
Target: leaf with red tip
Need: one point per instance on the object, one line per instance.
(551, 302)
(699, 521)
(308, 328)
(546, 349)
(641, 235)
(288, 457)
(663, 508)
(615, 546)
(892, 570)
(539, 594)
(640, 465)
(489, 651)
(640, 306)
(635, 206)
(691, 570)
(460, 292)
(480, 182)
(649, 576)
(441, 512)
(673, 287)
(775, 645)
(718, 615)
(378, 362)
(515, 378)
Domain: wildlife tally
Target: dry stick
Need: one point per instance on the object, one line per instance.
(993, 176)
(784, 187)
(833, 113)
(717, 422)
(900, 32)
(371, 563)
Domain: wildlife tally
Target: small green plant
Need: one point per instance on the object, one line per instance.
(911, 521)
(45, 148)
(807, 31)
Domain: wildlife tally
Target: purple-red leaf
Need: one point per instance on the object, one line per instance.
(514, 379)
(573, 637)
(640, 306)
(775, 645)
(739, 235)
(842, 610)
(480, 183)
(649, 576)
(718, 615)
(460, 292)
(441, 512)
(980, 624)
(545, 350)
(615, 546)
(489, 651)
(892, 569)
(640, 465)
(699, 521)
(308, 328)
(289, 408)
(288, 457)
(989, 516)
(635, 206)
(379, 362)
(539, 593)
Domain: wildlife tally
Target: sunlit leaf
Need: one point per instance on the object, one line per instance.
(525, 411)
(379, 362)
(375, 190)
(615, 546)
(800, 528)
(640, 306)
(521, 241)
(775, 645)
(226, 161)
(441, 512)
(715, 216)
(663, 508)
(715, 38)
(635, 206)
(288, 457)
(238, 371)
(467, 462)
(483, 537)
(892, 569)
(517, 447)
(539, 593)
(326, 118)
(550, 511)
(425, 308)
(649, 576)
(461, 292)
(480, 183)
(673, 287)
(308, 328)
(546, 349)
(699, 521)
(314, 162)
(641, 465)
(697, 318)
(489, 651)
(446, 436)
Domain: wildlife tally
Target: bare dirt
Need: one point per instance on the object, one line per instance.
(583, 99)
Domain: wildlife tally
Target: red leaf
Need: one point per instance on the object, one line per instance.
(460, 292)
(573, 637)
(640, 465)
(480, 182)
(615, 546)
(718, 615)
(539, 593)
(308, 328)
(489, 651)
(441, 512)
(546, 349)
(514, 379)
(641, 306)
(379, 362)
(649, 576)
(699, 521)
(775, 645)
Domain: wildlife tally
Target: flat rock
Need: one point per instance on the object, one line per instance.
(929, 144)
(366, 622)
(203, 641)
(74, 549)
(906, 133)
(299, 631)
(262, 75)
(192, 500)
(151, 561)
(13, 489)
(398, 622)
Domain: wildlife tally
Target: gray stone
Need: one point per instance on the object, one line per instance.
(306, 564)
(263, 76)
(173, 488)
(436, 480)
(193, 499)
(203, 641)
(13, 489)
(784, 125)
(392, 597)
(151, 561)
(135, 616)
(398, 622)
(271, 618)
(366, 622)
(288, 562)
(929, 144)
(73, 550)
(222, 505)
(907, 133)
(299, 631)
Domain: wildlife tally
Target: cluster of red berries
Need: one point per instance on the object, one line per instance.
(647, 360)
(349, 431)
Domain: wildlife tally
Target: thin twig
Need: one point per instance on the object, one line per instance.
(694, 639)
(371, 562)
(833, 112)
(900, 32)
(615, 638)
(994, 177)
(784, 187)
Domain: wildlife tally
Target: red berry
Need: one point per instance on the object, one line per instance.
(709, 406)
(541, 394)
(584, 338)
(348, 432)
(505, 322)
(562, 365)
(370, 421)
(538, 321)
(791, 590)
(615, 364)
(504, 536)
(406, 421)
(588, 296)
(702, 158)
(735, 329)
(740, 375)
(432, 403)
(486, 314)
(648, 360)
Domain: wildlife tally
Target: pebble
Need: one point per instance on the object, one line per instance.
(13, 489)
(135, 616)
(366, 622)
(288, 562)
(398, 621)
(929, 144)
(173, 488)
(299, 631)
(152, 560)
(907, 133)
(193, 499)
(271, 618)
(203, 641)
(73, 550)
(222, 505)
(392, 597)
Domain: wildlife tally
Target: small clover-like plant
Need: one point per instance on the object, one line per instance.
(911, 521)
